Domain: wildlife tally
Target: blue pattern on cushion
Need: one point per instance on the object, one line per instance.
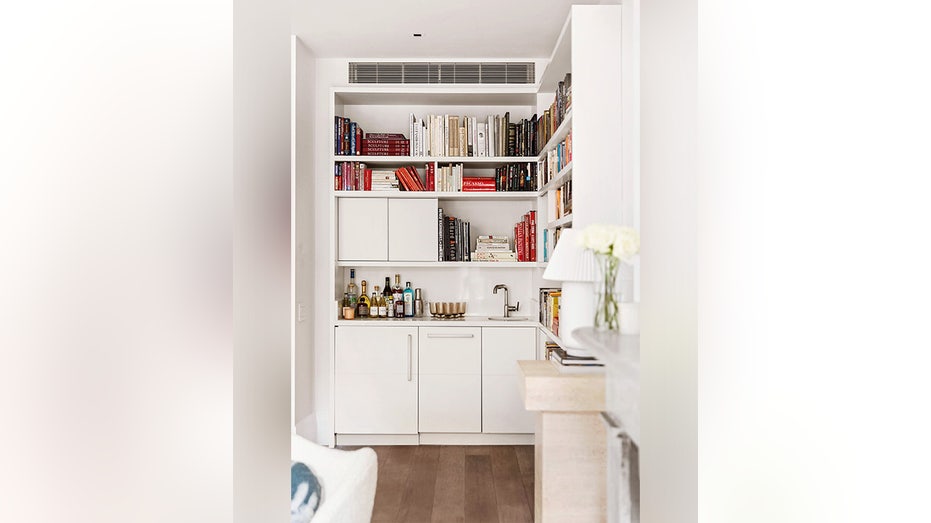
(305, 493)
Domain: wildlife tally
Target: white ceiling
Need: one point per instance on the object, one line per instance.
(451, 28)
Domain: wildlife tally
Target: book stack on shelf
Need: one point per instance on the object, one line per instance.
(525, 237)
(470, 136)
(493, 249)
(352, 176)
(453, 238)
(347, 137)
(552, 117)
(385, 180)
(570, 363)
(479, 184)
(556, 159)
(549, 308)
(385, 144)
(516, 177)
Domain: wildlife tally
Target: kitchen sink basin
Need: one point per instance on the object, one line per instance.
(509, 318)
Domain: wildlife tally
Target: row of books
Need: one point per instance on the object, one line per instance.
(493, 249)
(453, 235)
(355, 176)
(562, 200)
(556, 159)
(470, 136)
(351, 140)
(516, 177)
(549, 308)
(525, 237)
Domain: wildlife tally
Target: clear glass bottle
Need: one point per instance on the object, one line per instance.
(398, 297)
(378, 304)
(408, 301)
(351, 289)
(365, 305)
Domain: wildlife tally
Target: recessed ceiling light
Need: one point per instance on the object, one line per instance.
(418, 35)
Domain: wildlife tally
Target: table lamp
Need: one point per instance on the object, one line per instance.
(575, 266)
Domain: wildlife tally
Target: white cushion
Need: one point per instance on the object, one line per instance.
(348, 479)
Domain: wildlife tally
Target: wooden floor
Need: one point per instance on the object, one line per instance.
(429, 483)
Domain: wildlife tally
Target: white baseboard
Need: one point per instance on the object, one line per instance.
(377, 439)
(475, 439)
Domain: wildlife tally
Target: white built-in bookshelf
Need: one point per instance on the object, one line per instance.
(401, 226)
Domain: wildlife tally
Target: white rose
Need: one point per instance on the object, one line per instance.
(626, 243)
(598, 238)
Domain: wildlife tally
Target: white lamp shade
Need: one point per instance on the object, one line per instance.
(570, 261)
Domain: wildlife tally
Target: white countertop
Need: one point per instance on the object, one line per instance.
(427, 321)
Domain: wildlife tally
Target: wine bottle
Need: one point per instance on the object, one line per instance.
(362, 310)
(378, 304)
(408, 300)
(351, 289)
(398, 297)
(389, 297)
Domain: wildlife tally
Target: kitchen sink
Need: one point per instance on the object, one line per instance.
(509, 318)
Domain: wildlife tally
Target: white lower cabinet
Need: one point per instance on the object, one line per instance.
(450, 379)
(502, 406)
(376, 380)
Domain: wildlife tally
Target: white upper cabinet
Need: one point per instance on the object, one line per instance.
(412, 230)
(363, 229)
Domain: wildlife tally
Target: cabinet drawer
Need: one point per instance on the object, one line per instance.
(450, 350)
(502, 347)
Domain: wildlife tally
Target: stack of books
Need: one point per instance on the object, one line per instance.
(574, 363)
(409, 179)
(493, 249)
(385, 144)
(384, 180)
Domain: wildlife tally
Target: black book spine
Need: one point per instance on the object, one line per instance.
(440, 235)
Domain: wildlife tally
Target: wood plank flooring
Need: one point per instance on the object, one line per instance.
(454, 484)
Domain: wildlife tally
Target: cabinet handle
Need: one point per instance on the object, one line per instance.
(410, 339)
(450, 335)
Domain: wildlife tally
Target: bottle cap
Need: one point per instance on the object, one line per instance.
(408, 283)
(417, 293)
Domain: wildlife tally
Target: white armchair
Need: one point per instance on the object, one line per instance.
(348, 480)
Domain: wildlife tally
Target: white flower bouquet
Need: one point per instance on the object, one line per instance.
(611, 244)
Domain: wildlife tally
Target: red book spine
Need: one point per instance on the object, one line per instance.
(359, 135)
(523, 226)
(368, 179)
(382, 141)
(519, 241)
(385, 136)
(346, 185)
(431, 177)
(416, 177)
(533, 236)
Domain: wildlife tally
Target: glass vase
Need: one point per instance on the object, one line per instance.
(607, 301)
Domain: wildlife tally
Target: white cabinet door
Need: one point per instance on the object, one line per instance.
(412, 230)
(363, 229)
(450, 379)
(376, 380)
(502, 406)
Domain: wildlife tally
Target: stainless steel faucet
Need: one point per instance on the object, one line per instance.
(508, 309)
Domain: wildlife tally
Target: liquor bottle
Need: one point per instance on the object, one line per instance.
(389, 297)
(398, 297)
(365, 305)
(351, 289)
(345, 306)
(378, 309)
(408, 301)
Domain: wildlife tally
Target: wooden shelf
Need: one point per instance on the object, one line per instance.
(558, 136)
(479, 161)
(565, 220)
(561, 177)
(498, 265)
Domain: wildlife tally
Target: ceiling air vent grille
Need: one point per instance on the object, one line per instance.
(441, 73)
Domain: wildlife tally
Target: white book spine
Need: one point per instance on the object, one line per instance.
(446, 135)
(410, 134)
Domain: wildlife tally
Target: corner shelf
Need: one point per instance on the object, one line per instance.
(558, 135)
(565, 220)
(442, 195)
(561, 177)
(500, 265)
